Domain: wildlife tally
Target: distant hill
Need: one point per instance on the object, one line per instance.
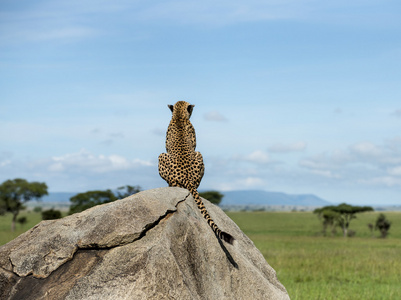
(257, 197)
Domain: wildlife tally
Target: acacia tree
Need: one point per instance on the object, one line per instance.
(14, 193)
(347, 213)
(213, 196)
(344, 214)
(329, 219)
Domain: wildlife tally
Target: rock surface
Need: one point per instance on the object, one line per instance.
(152, 245)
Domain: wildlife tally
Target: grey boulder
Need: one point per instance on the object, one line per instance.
(151, 245)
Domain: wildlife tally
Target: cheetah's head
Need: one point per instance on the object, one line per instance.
(181, 109)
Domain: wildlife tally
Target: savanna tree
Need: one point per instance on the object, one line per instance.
(86, 200)
(127, 190)
(14, 193)
(344, 213)
(383, 225)
(213, 196)
(347, 213)
(329, 218)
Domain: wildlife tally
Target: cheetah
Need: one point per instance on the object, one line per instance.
(182, 166)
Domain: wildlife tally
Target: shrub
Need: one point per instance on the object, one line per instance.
(22, 220)
(51, 214)
(383, 225)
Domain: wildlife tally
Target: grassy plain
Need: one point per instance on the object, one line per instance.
(309, 265)
(312, 266)
(5, 225)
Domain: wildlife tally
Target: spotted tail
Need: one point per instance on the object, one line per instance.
(221, 234)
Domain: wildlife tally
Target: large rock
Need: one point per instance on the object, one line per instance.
(152, 245)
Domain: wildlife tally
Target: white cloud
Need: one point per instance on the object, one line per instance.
(325, 173)
(387, 181)
(56, 167)
(139, 162)
(314, 163)
(67, 33)
(327, 160)
(361, 163)
(84, 170)
(89, 162)
(257, 157)
(366, 149)
(285, 148)
(214, 116)
(395, 171)
(5, 162)
(251, 182)
(29, 30)
(212, 13)
(394, 145)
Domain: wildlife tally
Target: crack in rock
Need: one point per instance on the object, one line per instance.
(48, 245)
(146, 229)
(154, 224)
(96, 246)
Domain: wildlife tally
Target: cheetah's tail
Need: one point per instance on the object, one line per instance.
(221, 234)
(227, 237)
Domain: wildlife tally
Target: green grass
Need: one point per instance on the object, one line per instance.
(311, 266)
(6, 235)
(5, 225)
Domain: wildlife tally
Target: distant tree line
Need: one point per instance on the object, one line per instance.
(213, 196)
(83, 201)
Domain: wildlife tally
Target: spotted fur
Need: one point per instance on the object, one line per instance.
(182, 166)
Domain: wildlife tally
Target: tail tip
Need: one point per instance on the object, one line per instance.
(227, 238)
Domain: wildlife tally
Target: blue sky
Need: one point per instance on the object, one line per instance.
(292, 96)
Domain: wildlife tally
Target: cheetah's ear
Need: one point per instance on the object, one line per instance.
(171, 107)
(190, 108)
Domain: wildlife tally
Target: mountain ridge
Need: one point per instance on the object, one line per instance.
(260, 197)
